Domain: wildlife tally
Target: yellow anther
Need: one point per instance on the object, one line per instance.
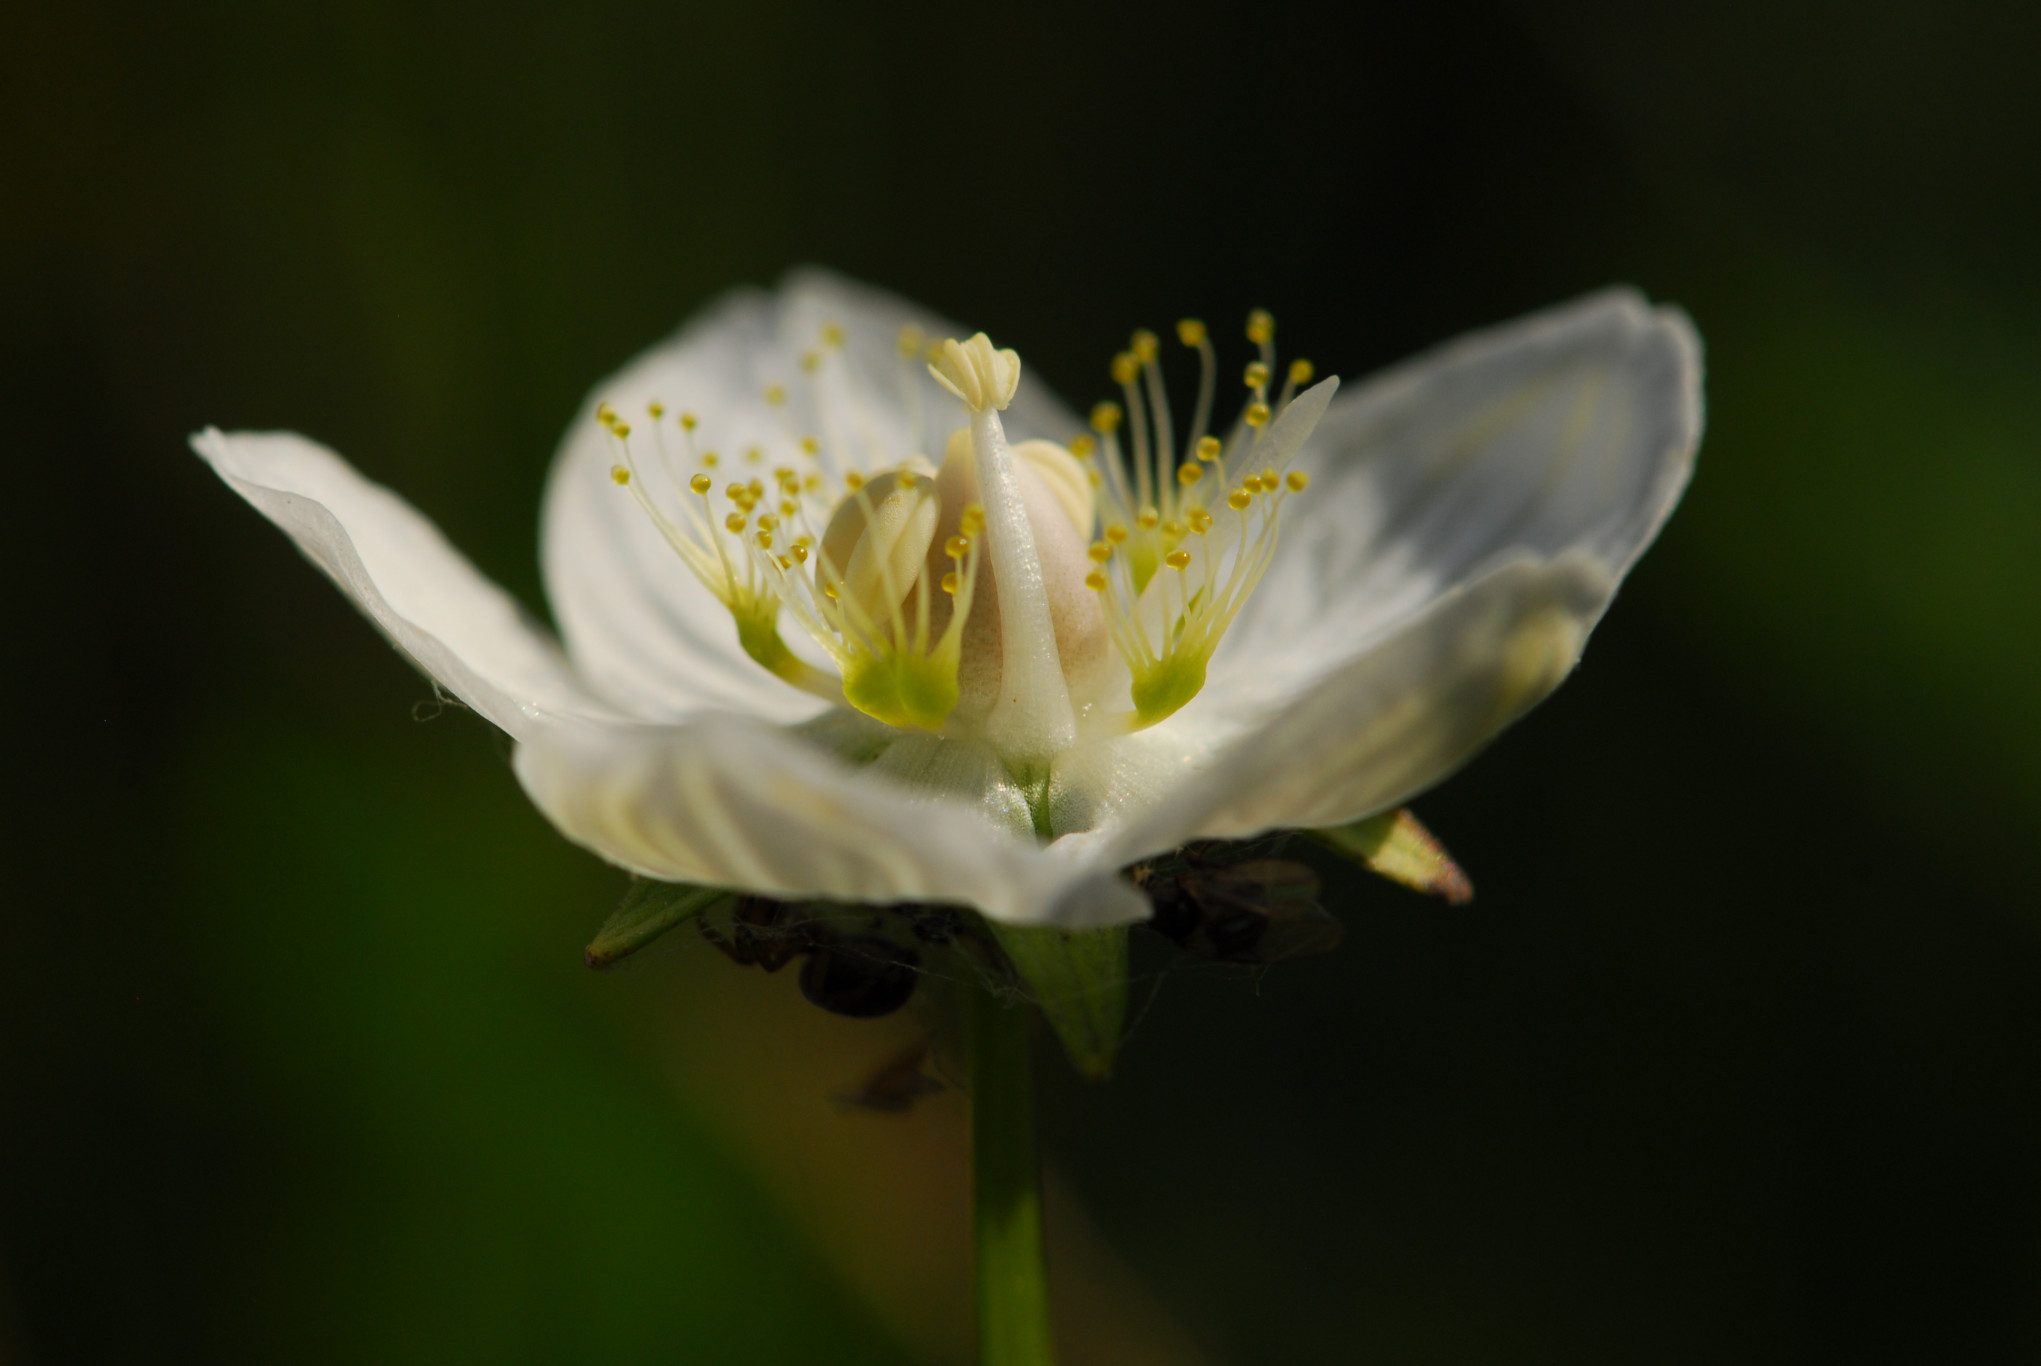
(799, 552)
(1105, 417)
(829, 590)
(1208, 448)
(775, 394)
(604, 413)
(753, 454)
(788, 507)
(956, 546)
(909, 343)
(734, 493)
(1200, 520)
(1189, 473)
(1239, 499)
(1269, 481)
(734, 522)
(765, 540)
(811, 361)
(620, 474)
(1261, 326)
(973, 520)
(809, 445)
(1191, 332)
(832, 335)
(701, 484)
(1173, 530)
(755, 489)
(1301, 371)
(1081, 447)
(1257, 375)
(622, 429)
(1296, 479)
(951, 583)
(905, 479)
(1100, 552)
(811, 483)
(747, 502)
(784, 473)
(1178, 559)
(656, 408)
(688, 422)
(1149, 519)
(712, 460)
(804, 541)
(783, 562)
(1116, 532)
(766, 521)
(853, 481)
(1095, 479)
(1257, 414)
(1096, 581)
(1144, 345)
(1125, 368)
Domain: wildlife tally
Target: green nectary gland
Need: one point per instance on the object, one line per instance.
(1159, 692)
(904, 688)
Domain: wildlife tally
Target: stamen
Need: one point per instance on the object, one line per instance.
(752, 604)
(1149, 525)
(1191, 333)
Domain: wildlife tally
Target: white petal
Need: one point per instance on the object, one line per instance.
(1377, 730)
(1570, 432)
(637, 623)
(428, 599)
(730, 802)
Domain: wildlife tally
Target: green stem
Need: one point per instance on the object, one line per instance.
(1006, 1190)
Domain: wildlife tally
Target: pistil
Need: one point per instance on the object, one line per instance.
(1033, 720)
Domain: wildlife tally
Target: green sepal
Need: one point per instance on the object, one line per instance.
(1396, 846)
(1079, 979)
(649, 909)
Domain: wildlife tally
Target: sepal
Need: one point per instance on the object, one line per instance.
(1396, 846)
(649, 909)
(1079, 979)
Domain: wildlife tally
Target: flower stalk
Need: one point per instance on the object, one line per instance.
(1006, 1188)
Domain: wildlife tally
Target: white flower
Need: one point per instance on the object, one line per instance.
(1326, 608)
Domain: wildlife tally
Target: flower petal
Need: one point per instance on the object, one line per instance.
(435, 606)
(1372, 733)
(638, 625)
(729, 801)
(1569, 432)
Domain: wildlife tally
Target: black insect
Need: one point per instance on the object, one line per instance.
(1258, 911)
(763, 933)
(938, 925)
(860, 975)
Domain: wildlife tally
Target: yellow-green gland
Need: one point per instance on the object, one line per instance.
(905, 689)
(1161, 690)
(758, 633)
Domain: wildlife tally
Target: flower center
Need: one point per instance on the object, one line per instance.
(997, 595)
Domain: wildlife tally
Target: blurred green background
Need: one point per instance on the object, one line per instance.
(1736, 1059)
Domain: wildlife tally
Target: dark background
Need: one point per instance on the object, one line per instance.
(1734, 1059)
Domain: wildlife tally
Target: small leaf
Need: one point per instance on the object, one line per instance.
(648, 910)
(1396, 846)
(1079, 979)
